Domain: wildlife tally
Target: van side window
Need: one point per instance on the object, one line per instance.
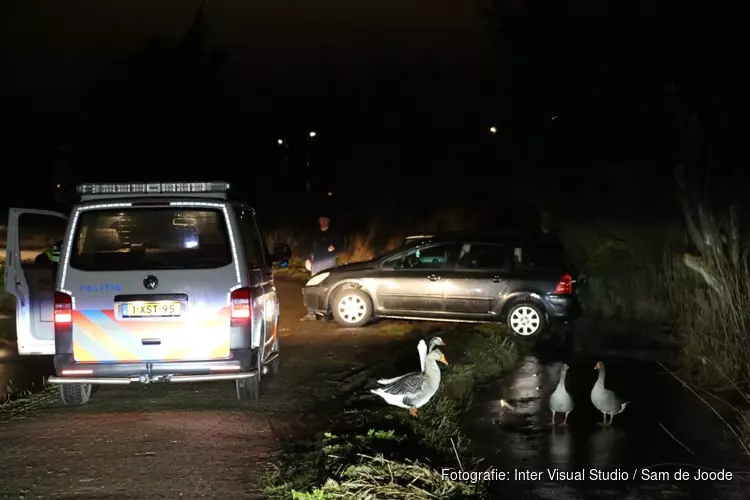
(250, 238)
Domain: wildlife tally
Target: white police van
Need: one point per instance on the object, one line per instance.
(156, 282)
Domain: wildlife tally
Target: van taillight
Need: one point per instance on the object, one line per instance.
(565, 285)
(63, 308)
(240, 304)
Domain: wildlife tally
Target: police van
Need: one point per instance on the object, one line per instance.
(157, 282)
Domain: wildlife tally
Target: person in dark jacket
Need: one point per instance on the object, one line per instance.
(326, 245)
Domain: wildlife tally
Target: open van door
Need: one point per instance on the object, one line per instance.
(33, 287)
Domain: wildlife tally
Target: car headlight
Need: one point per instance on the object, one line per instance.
(317, 279)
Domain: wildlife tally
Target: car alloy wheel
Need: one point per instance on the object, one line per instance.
(352, 308)
(525, 320)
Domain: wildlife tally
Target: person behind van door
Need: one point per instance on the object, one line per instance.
(326, 245)
(50, 258)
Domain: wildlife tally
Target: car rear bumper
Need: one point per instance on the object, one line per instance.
(561, 307)
(242, 364)
(314, 298)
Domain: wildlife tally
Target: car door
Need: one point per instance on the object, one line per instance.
(33, 287)
(479, 279)
(412, 282)
(261, 277)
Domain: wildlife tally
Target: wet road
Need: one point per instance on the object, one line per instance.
(522, 439)
(185, 440)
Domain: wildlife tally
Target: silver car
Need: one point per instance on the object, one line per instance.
(156, 282)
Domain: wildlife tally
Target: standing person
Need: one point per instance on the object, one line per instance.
(50, 258)
(326, 245)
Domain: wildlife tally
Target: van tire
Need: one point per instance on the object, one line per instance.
(359, 298)
(75, 394)
(248, 389)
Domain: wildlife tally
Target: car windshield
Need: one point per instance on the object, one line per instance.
(149, 239)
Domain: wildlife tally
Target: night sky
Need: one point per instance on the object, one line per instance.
(401, 94)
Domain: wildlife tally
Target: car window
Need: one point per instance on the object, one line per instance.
(250, 238)
(150, 238)
(530, 256)
(438, 256)
(483, 256)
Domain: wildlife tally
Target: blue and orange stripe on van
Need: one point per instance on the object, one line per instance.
(98, 336)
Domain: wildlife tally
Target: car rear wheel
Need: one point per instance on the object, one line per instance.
(75, 394)
(526, 319)
(352, 307)
(248, 389)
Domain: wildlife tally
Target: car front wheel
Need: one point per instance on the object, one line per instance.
(352, 307)
(526, 319)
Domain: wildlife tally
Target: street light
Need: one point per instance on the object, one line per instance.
(313, 134)
(280, 142)
(493, 130)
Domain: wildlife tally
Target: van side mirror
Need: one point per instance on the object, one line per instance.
(281, 254)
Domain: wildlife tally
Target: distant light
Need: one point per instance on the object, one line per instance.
(58, 186)
(280, 142)
(554, 118)
(313, 134)
(493, 130)
(330, 193)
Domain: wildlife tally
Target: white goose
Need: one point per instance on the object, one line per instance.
(414, 390)
(422, 349)
(604, 400)
(560, 400)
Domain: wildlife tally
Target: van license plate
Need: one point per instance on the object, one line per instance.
(151, 309)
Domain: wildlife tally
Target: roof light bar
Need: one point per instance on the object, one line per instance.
(154, 187)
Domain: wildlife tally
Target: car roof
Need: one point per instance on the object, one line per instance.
(486, 237)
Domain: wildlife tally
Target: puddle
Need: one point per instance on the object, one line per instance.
(522, 443)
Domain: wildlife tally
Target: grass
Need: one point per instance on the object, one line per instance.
(372, 450)
(712, 323)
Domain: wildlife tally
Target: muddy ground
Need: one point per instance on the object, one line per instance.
(196, 440)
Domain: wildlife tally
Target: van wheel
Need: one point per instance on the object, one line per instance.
(248, 389)
(352, 307)
(75, 394)
(526, 318)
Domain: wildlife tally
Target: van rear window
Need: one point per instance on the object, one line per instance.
(150, 238)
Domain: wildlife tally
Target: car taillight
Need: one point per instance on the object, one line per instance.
(565, 285)
(240, 304)
(63, 309)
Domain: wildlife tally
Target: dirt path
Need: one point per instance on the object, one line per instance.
(171, 441)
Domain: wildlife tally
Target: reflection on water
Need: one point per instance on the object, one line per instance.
(509, 425)
(607, 444)
(561, 448)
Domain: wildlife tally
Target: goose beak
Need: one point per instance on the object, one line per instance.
(566, 367)
(443, 360)
(598, 365)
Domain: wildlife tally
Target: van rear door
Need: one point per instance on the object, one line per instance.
(152, 283)
(32, 285)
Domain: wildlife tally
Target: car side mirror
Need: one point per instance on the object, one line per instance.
(281, 254)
